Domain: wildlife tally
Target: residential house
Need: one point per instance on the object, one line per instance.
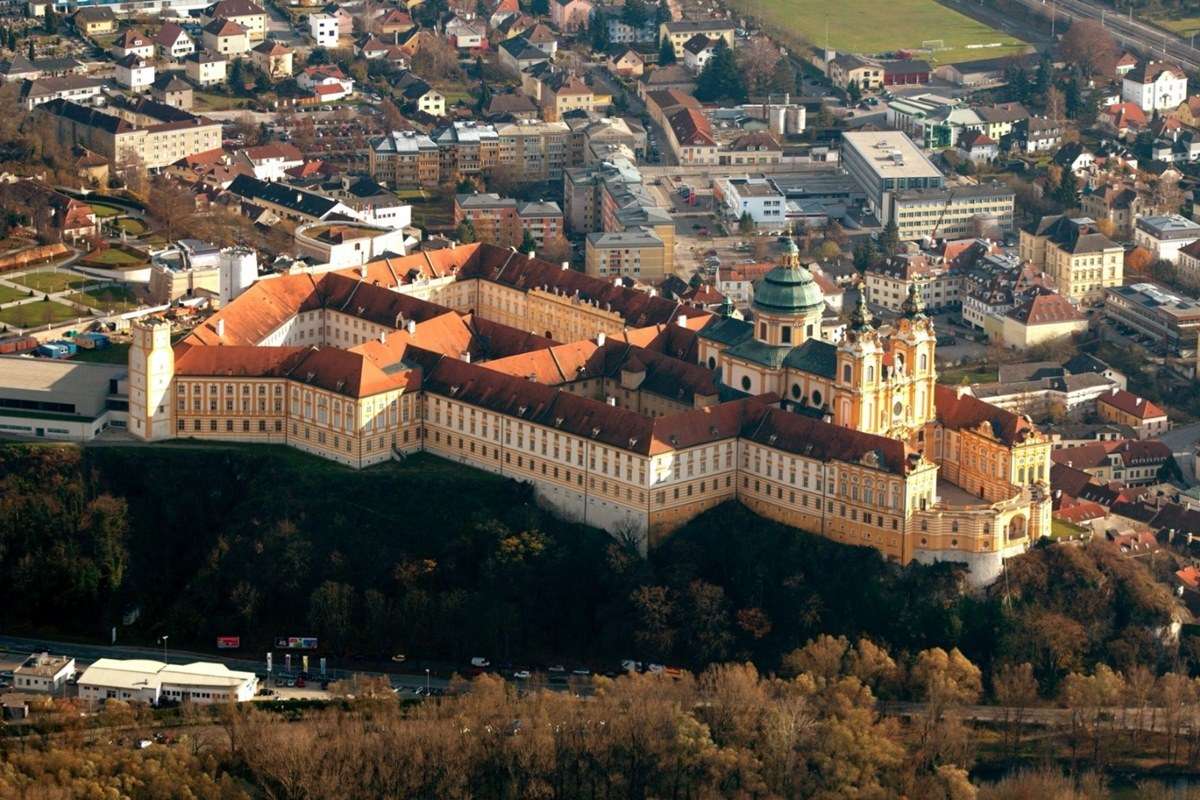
(206, 68)
(1117, 203)
(541, 37)
(999, 120)
(510, 105)
(621, 32)
(518, 54)
(248, 14)
(697, 52)
(846, 68)
(570, 16)
(270, 162)
(419, 95)
(345, 19)
(173, 42)
(467, 33)
(690, 137)
(133, 42)
(1136, 462)
(326, 75)
(1125, 64)
(75, 88)
(679, 31)
(273, 59)
(134, 73)
(626, 63)
(1075, 157)
(1125, 120)
(1038, 135)
(564, 92)
(225, 37)
(1045, 316)
(172, 91)
(978, 146)
(324, 30)
(751, 149)
(1125, 408)
(94, 20)
(672, 76)
(394, 22)
(1155, 85)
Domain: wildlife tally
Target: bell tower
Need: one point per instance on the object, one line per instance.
(151, 375)
(858, 382)
(913, 349)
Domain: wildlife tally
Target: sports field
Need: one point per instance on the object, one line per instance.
(877, 26)
(1183, 26)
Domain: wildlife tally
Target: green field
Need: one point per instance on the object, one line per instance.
(104, 210)
(31, 315)
(8, 294)
(51, 281)
(134, 227)
(871, 26)
(107, 298)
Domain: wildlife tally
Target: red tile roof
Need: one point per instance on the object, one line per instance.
(691, 128)
(961, 411)
(1131, 404)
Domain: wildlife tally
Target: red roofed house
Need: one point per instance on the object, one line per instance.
(691, 138)
(1045, 316)
(1126, 408)
(1124, 119)
(1133, 462)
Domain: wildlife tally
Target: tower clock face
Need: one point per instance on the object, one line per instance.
(898, 409)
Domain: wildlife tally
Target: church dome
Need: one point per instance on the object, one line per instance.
(788, 290)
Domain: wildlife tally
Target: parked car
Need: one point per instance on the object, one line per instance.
(481, 662)
(522, 674)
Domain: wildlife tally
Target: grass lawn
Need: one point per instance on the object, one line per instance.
(8, 294)
(870, 26)
(51, 280)
(412, 194)
(134, 227)
(113, 354)
(104, 210)
(111, 257)
(218, 102)
(31, 315)
(1061, 529)
(107, 298)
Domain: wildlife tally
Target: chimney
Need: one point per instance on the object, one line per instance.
(681, 320)
(220, 329)
(612, 401)
(466, 356)
(383, 337)
(601, 339)
(412, 327)
(362, 270)
(566, 265)
(531, 254)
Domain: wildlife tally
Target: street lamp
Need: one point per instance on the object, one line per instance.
(427, 681)
(163, 639)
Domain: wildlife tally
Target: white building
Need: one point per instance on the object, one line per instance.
(239, 269)
(42, 672)
(271, 162)
(1155, 85)
(174, 42)
(1165, 235)
(51, 398)
(347, 244)
(151, 681)
(135, 73)
(758, 197)
(323, 29)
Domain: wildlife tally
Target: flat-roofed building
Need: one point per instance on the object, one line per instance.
(885, 162)
(1156, 312)
(43, 672)
(45, 398)
(405, 158)
(759, 198)
(1165, 235)
(149, 681)
(954, 212)
(637, 253)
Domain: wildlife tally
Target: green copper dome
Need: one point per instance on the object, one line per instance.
(788, 290)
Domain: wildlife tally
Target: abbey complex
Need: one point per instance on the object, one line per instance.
(625, 410)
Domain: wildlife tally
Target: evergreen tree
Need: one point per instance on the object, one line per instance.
(1066, 193)
(528, 244)
(864, 254)
(51, 21)
(237, 77)
(1018, 83)
(1043, 76)
(598, 30)
(853, 92)
(662, 13)
(746, 224)
(889, 238)
(465, 232)
(29, 50)
(666, 54)
(783, 78)
(721, 79)
(1073, 101)
(635, 13)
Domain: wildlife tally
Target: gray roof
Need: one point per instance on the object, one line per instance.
(727, 330)
(815, 357)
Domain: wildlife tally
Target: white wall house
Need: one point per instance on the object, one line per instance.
(135, 73)
(1165, 235)
(323, 29)
(1155, 85)
(42, 672)
(151, 681)
(758, 197)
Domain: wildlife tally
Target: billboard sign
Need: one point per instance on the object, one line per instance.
(229, 642)
(296, 642)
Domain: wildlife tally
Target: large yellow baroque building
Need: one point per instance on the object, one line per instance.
(624, 410)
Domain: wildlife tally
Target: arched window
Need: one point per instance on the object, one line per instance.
(924, 362)
(712, 362)
(762, 330)
(847, 372)
(870, 374)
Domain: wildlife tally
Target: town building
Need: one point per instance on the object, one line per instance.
(94, 20)
(48, 398)
(883, 163)
(1082, 261)
(1169, 320)
(638, 253)
(206, 68)
(226, 37)
(154, 134)
(42, 672)
(135, 73)
(245, 13)
(74, 88)
(405, 159)
(759, 198)
(1043, 317)
(680, 31)
(275, 60)
(955, 212)
(172, 91)
(1147, 419)
(153, 682)
(173, 42)
(505, 221)
(133, 42)
(324, 30)
(846, 68)
(570, 15)
(1155, 86)
(1136, 462)
(1166, 235)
